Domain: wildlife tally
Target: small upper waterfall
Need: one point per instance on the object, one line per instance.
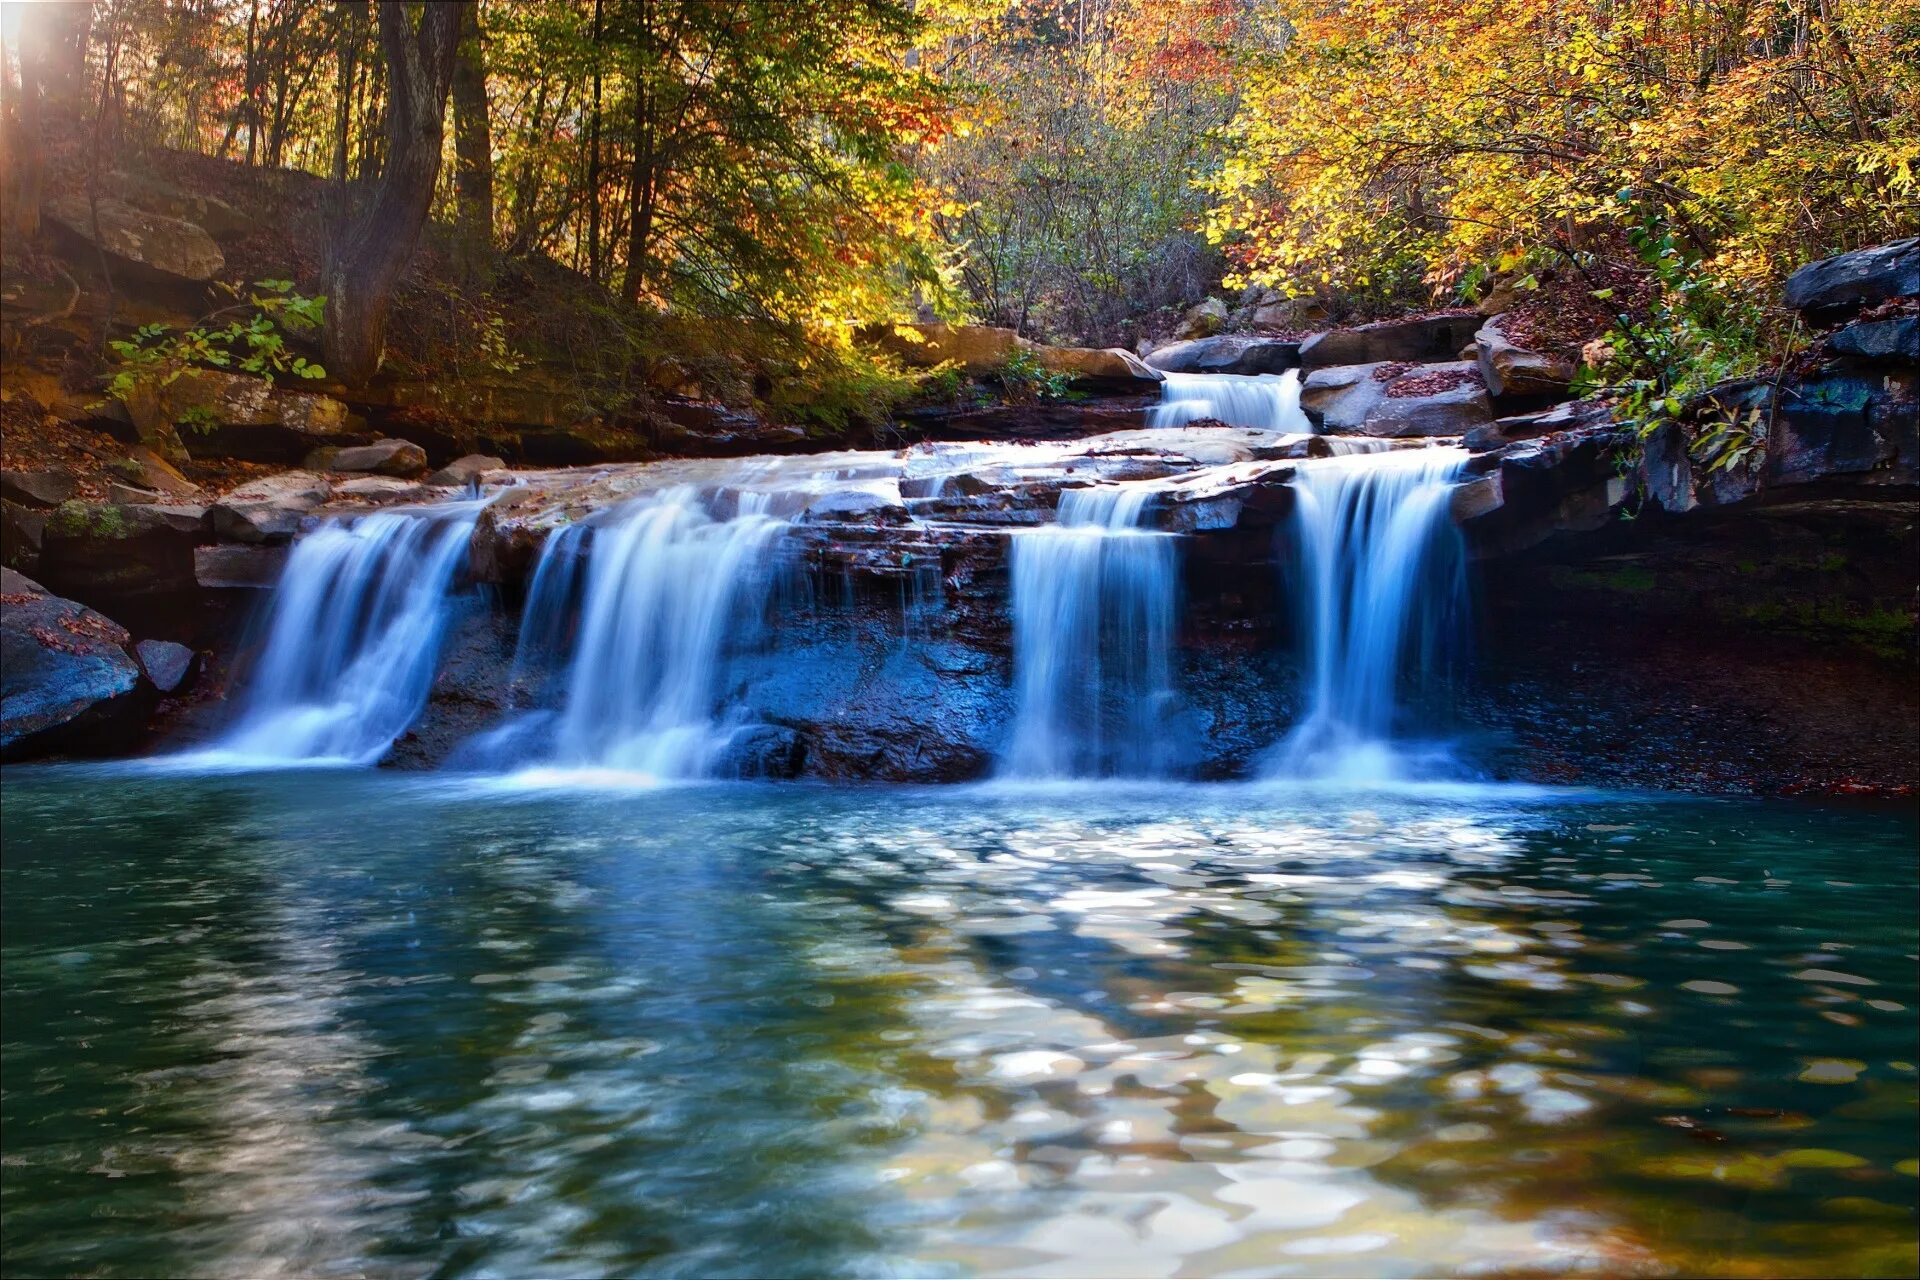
(1382, 578)
(353, 636)
(632, 640)
(1266, 401)
(1093, 622)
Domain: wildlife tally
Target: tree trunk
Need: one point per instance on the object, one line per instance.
(52, 55)
(365, 262)
(593, 159)
(250, 95)
(473, 149)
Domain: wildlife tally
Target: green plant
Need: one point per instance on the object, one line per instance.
(249, 334)
(1729, 438)
(1026, 381)
(1699, 330)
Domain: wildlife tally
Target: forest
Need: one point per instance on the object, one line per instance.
(959, 637)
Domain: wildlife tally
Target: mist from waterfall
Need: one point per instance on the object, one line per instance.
(1381, 591)
(352, 639)
(1266, 401)
(1093, 624)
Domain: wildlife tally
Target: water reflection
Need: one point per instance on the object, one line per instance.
(260, 1026)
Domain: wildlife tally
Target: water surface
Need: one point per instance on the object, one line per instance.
(362, 1024)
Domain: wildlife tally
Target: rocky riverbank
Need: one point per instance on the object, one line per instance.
(1649, 612)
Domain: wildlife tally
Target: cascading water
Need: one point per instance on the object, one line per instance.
(1264, 401)
(353, 637)
(634, 638)
(1093, 619)
(1382, 579)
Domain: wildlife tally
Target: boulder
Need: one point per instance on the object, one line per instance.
(269, 509)
(67, 681)
(1431, 400)
(36, 488)
(1203, 319)
(1834, 287)
(171, 246)
(146, 469)
(383, 457)
(1227, 353)
(383, 489)
(1104, 368)
(21, 531)
(1513, 371)
(1896, 339)
(155, 195)
(977, 348)
(230, 567)
(110, 553)
(122, 495)
(1338, 399)
(168, 665)
(230, 415)
(1423, 339)
(464, 471)
(183, 517)
(1527, 426)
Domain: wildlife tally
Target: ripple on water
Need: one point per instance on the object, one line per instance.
(556, 1027)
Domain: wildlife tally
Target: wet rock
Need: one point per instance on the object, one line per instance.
(228, 567)
(1430, 400)
(1339, 398)
(1834, 287)
(107, 554)
(271, 508)
(855, 506)
(67, 682)
(1427, 338)
(1526, 426)
(36, 488)
(382, 489)
(464, 471)
(764, 751)
(229, 415)
(1512, 371)
(1478, 498)
(707, 428)
(1227, 353)
(1897, 339)
(383, 457)
(171, 667)
(170, 246)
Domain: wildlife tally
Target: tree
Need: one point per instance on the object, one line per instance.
(365, 260)
(52, 86)
(473, 148)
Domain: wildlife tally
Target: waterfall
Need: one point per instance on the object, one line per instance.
(1382, 578)
(353, 637)
(634, 639)
(1267, 401)
(1093, 620)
